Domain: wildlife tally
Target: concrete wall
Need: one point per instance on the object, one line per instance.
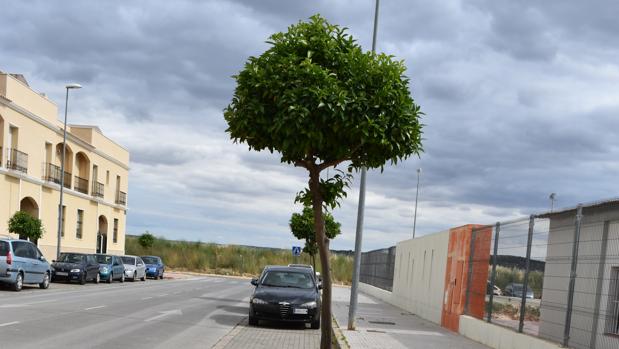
(557, 276)
(499, 337)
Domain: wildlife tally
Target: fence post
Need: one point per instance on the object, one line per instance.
(497, 229)
(570, 292)
(470, 273)
(525, 282)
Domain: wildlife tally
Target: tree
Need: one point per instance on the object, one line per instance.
(26, 226)
(318, 100)
(146, 240)
(302, 227)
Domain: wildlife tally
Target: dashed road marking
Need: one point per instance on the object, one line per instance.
(9, 323)
(97, 307)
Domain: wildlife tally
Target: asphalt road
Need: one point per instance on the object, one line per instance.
(185, 313)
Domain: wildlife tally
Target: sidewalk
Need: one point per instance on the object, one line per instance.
(268, 336)
(381, 325)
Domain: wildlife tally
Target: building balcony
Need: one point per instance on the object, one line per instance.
(81, 185)
(121, 198)
(51, 173)
(17, 160)
(98, 189)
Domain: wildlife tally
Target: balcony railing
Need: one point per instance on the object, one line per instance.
(97, 189)
(121, 198)
(51, 173)
(17, 160)
(81, 185)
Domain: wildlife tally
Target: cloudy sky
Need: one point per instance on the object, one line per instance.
(521, 99)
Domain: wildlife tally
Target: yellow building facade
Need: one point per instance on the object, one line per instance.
(95, 176)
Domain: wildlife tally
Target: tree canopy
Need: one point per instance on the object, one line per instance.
(146, 240)
(26, 226)
(302, 227)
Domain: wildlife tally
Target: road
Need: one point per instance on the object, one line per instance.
(185, 313)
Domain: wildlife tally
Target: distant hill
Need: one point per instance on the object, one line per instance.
(518, 262)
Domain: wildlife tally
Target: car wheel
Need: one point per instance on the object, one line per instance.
(83, 278)
(110, 278)
(161, 276)
(97, 279)
(143, 277)
(315, 324)
(252, 321)
(135, 276)
(122, 278)
(45, 284)
(19, 282)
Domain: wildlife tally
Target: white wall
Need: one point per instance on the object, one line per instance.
(499, 337)
(419, 276)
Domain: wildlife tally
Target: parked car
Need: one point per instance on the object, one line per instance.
(316, 274)
(285, 294)
(154, 266)
(134, 268)
(493, 290)
(21, 263)
(79, 267)
(110, 268)
(515, 290)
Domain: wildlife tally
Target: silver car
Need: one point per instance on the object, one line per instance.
(134, 268)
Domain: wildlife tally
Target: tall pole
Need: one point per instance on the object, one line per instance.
(62, 161)
(352, 310)
(552, 198)
(416, 200)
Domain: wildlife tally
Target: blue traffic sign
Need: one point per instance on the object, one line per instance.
(296, 251)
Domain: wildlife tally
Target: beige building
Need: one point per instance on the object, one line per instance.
(95, 178)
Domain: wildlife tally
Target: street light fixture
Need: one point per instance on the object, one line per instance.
(553, 198)
(416, 199)
(62, 161)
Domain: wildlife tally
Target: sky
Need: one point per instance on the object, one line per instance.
(521, 99)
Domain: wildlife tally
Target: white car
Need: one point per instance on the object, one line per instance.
(134, 268)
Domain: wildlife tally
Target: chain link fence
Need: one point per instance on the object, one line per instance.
(553, 276)
(377, 268)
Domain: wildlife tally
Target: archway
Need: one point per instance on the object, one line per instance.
(53, 170)
(29, 205)
(102, 235)
(82, 164)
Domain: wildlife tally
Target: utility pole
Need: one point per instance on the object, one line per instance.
(553, 198)
(416, 200)
(352, 310)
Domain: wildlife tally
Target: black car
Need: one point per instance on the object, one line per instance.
(285, 294)
(79, 267)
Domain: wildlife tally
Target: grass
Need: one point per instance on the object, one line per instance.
(230, 259)
(505, 276)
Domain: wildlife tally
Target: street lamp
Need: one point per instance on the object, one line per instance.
(416, 199)
(553, 198)
(62, 161)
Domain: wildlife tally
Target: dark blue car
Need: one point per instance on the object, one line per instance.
(154, 267)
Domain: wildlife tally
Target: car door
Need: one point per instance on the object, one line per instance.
(141, 268)
(39, 264)
(92, 266)
(22, 260)
(4, 251)
(118, 267)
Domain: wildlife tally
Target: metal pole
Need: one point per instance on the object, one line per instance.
(525, 282)
(570, 293)
(600, 283)
(62, 161)
(497, 230)
(352, 310)
(416, 199)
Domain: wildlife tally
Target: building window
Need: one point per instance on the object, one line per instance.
(80, 223)
(107, 177)
(115, 235)
(612, 319)
(64, 215)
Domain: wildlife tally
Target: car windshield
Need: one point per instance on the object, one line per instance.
(128, 260)
(150, 260)
(103, 259)
(71, 258)
(277, 278)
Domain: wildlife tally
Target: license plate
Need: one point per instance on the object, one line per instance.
(300, 311)
(62, 273)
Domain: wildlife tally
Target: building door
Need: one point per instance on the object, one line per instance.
(102, 235)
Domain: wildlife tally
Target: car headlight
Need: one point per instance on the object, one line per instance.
(104, 269)
(258, 301)
(310, 305)
(75, 270)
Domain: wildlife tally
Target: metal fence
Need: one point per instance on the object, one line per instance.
(377, 268)
(554, 276)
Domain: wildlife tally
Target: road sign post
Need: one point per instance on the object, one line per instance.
(296, 252)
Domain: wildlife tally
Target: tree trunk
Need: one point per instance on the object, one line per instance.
(323, 250)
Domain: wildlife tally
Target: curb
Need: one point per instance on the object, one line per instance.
(225, 340)
(338, 336)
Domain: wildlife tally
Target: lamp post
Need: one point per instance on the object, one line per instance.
(62, 161)
(553, 198)
(352, 310)
(416, 199)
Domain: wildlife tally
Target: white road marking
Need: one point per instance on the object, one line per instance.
(9, 323)
(165, 313)
(25, 304)
(145, 298)
(97, 307)
(162, 295)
